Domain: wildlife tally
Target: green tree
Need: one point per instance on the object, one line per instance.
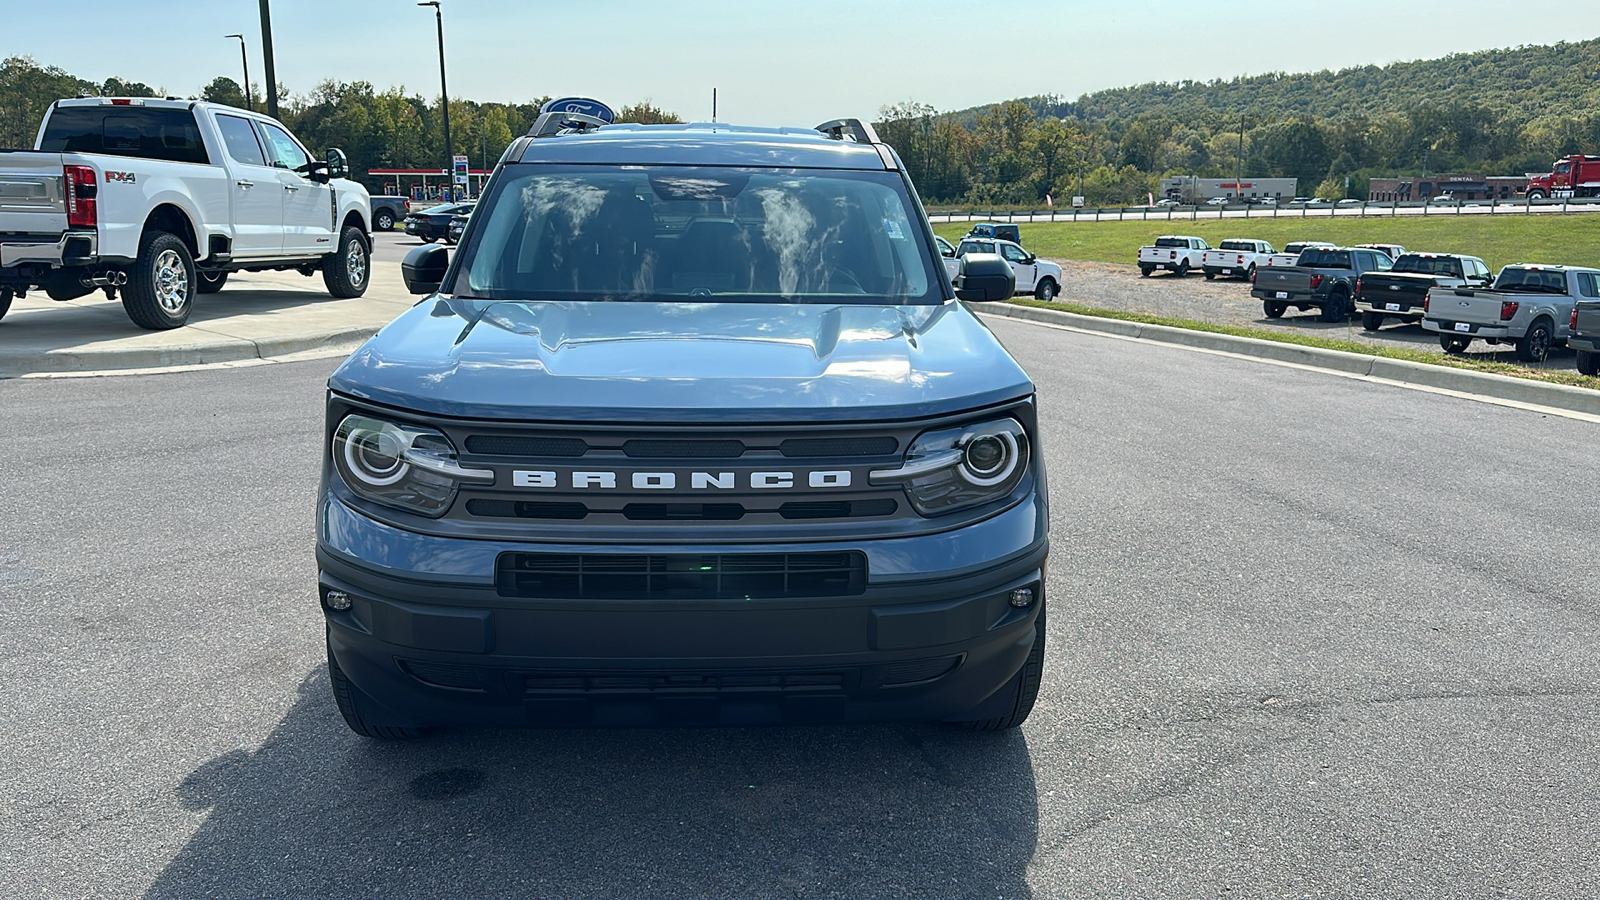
(1331, 189)
(646, 113)
(223, 90)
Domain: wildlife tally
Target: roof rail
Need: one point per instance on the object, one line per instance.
(551, 124)
(850, 130)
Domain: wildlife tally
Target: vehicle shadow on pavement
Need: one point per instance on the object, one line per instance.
(869, 811)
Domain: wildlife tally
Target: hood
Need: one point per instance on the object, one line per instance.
(689, 362)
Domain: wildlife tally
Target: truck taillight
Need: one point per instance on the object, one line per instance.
(407, 205)
(1316, 281)
(81, 191)
(1358, 285)
(1572, 321)
(1508, 308)
(1425, 298)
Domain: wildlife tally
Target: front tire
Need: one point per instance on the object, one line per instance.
(5, 302)
(1274, 308)
(1588, 360)
(1455, 346)
(161, 285)
(1371, 321)
(383, 220)
(347, 270)
(210, 282)
(1046, 290)
(1024, 686)
(1534, 346)
(354, 705)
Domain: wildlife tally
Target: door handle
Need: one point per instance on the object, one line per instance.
(245, 184)
(290, 187)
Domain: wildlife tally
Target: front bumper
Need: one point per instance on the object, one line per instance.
(436, 644)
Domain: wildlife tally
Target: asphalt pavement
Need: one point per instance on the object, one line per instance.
(1309, 637)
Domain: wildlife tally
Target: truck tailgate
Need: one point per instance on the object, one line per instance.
(1465, 305)
(1588, 318)
(1395, 292)
(32, 193)
(1285, 279)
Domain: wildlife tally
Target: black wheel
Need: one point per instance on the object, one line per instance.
(1588, 360)
(1337, 307)
(1535, 345)
(1250, 274)
(1210, 275)
(1023, 687)
(426, 240)
(1183, 268)
(1274, 308)
(1046, 290)
(1454, 345)
(5, 302)
(383, 220)
(1371, 321)
(345, 271)
(353, 703)
(1144, 271)
(161, 284)
(211, 282)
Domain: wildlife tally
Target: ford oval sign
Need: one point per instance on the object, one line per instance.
(582, 106)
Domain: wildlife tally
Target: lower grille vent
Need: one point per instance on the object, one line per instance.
(500, 445)
(688, 682)
(683, 576)
(843, 509)
(855, 446)
(526, 509)
(916, 670)
(461, 678)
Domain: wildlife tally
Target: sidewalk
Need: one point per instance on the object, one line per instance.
(257, 315)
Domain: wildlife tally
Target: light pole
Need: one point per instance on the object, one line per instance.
(444, 96)
(266, 55)
(1238, 164)
(246, 61)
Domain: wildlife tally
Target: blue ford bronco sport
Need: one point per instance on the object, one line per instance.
(691, 430)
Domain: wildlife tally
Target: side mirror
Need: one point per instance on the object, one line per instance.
(338, 164)
(423, 269)
(985, 277)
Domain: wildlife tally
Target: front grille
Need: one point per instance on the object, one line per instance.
(862, 446)
(503, 445)
(683, 449)
(687, 512)
(525, 509)
(842, 509)
(680, 576)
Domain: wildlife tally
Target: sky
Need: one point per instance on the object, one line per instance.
(772, 63)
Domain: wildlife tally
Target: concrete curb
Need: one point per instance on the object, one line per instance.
(1485, 384)
(219, 349)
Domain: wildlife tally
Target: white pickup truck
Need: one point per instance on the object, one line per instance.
(1237, 257)
(1039, 277)
(1529, 306)
(1291, 253)
(1175, 252)
(161, 199)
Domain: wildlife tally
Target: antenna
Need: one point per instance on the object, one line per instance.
(713, 106)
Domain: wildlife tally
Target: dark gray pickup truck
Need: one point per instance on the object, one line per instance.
(1402, 292)
(1585, 337)
(1325, 278)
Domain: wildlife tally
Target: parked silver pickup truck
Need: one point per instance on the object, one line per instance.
(1529, 306)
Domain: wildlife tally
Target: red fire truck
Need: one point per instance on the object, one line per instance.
(1572, 176)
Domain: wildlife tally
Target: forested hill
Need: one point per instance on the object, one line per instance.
(1528, 83)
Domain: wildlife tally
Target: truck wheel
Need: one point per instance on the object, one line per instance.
(1273, 308)
(1210, 275)
(351, 700)
(1144, 271)
(1046, 290)
(5, 301)
(383, 220)
(1535, 195)
(1371, 321)
(345, 271)
(1250, 274)
(1454, 345)
(1336, 308)
(1535, 345)
(210, 282)
(1183, 268)
(1023, 687)
(1588, 360)
(161, 285)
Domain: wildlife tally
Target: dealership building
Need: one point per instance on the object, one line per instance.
(1462, 187)
(1189, 189)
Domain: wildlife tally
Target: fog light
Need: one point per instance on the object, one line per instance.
(341, 600)
(1022, 597)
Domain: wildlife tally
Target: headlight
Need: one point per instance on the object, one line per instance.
(957, 468)
(402, 466)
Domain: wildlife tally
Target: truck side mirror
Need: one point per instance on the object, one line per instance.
(985, 277)
(423, 269)
(338, 164)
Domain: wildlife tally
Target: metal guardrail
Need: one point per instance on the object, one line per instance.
(1306, 210)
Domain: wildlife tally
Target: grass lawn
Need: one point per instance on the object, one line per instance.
(1499, 240)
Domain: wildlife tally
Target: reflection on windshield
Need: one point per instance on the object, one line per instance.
(636, 233)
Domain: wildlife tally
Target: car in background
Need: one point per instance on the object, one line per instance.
(1300, 201)
(1036, 276)
(434, 223)
(1002, 231)
(1217, 201)
(1350, 201)
(1442, 200)
(458, 224)
(1269, 201)
(1395, 251)
(387, 209)
(1168, 201)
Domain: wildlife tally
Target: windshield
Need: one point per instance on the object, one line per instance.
(1318, 258)
(1537, 280)
(662, 233)
(1428, 265)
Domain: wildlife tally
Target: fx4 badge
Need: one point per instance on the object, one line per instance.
(124, 177)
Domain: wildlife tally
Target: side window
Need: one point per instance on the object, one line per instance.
(1587, 286)
(241, 140)
(1013, 254)
(282, 149)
